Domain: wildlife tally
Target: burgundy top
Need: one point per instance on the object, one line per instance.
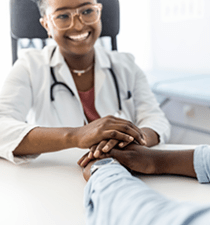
(87, 99)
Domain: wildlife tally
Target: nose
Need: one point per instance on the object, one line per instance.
(77, 23)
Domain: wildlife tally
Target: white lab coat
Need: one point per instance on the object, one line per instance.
(25, 96)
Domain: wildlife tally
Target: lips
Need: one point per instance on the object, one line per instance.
(79, 37)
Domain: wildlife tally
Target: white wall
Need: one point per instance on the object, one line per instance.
(181, 35)
(135, 31)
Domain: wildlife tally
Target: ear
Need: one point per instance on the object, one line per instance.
(44, 23)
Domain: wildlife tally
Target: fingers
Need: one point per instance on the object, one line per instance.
(110, 145)
(82, 158)
(104, 146)
(85, 161)
(98, 150)
(130, 131)
(115, 134)
(128, 128)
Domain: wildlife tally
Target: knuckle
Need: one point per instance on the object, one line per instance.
(109, 117)
(107, 120)
(126, 138)
(130, 124)
(113, 134)
(126, 127)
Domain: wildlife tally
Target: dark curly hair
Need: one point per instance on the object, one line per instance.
(42, 5)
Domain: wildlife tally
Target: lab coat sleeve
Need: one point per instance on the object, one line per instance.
(202, 163)
(148, 112)
(15, 101)
(114, 197)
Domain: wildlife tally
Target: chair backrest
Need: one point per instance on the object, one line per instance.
(25, 15)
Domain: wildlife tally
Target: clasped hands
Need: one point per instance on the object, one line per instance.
(124, 136)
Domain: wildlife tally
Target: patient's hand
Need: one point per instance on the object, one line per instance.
(86, 170)
(135, 157)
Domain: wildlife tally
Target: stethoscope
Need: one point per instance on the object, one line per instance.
(72, 93)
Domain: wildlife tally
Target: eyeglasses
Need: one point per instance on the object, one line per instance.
(88, 14)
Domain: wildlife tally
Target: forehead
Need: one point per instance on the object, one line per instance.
(71, 4)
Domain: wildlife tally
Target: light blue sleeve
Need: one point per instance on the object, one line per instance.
(114, 197)
(202, 163)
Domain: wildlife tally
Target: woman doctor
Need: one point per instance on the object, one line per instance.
(32, 123)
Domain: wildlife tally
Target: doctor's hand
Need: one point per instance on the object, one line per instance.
(107, 128)
(106, 145)
(149, 138)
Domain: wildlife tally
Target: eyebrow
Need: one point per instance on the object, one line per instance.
(63, 8)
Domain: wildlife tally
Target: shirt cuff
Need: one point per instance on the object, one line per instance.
(202, 163)
(102, 178)
(10, 146)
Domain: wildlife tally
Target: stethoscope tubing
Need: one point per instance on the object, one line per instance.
(66, 86)
(57, 83)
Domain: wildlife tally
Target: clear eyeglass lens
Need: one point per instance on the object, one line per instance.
(88, 15)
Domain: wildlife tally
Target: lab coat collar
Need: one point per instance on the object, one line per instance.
(102, 62)
(101, 57)
(57, 58)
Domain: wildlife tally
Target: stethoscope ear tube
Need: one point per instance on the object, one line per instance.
(57, 83)
(65, 85)
(117, 89)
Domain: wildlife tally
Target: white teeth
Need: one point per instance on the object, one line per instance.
(79, 37)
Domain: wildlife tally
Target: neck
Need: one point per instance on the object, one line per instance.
(79, 62)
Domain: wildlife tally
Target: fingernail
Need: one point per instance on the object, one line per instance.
(96, 154)
(121, 145)
(144, 141)
(131, 138)
(90, 155)
(104, 149)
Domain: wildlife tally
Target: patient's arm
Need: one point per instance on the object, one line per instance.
(149, 161)
(114, 197)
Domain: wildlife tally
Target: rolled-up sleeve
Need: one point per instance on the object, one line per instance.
(15, 101)
(202, 163)
(114, 197)
(148, 112)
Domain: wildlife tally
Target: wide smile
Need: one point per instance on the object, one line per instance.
(79, 37)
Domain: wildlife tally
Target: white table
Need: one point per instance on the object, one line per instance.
(49, 190)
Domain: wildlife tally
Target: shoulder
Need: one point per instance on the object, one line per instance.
(114, 56)
(36, 56)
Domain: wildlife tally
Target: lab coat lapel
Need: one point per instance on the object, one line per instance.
(99, 79)
(101, 63)
(67, 78)
(103, 84)
(64, 75)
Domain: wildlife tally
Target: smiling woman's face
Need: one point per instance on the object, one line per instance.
(77, 40)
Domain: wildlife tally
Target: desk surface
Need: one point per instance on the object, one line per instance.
(49, 190)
